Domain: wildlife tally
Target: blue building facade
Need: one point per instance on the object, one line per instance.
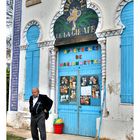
(82, 57)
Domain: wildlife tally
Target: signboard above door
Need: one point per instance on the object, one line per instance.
(77, 20)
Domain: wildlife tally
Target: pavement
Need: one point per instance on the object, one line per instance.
(50, 136)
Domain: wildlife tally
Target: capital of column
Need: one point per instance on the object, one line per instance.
(53, 51)
(102, 41)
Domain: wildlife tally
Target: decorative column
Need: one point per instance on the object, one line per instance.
(14, 78)
(53, 52)
(102, 42)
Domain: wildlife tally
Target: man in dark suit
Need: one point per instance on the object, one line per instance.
(39, 105)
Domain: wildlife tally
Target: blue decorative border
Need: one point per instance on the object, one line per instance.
(15, 55)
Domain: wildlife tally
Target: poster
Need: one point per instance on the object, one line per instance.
(73, 87)
(86, 90)
(68, 86)
(85, 100)
(64, 85)
(90, 90)
(95, 91)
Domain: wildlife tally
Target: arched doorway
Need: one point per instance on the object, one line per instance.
(79, 77)
(79, 68)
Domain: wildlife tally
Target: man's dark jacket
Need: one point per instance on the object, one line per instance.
(43, 102)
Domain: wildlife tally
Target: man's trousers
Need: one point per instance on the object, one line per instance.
(38, 122)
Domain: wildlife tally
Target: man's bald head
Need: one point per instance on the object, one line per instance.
(35, 92)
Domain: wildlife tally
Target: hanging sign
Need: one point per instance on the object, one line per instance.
(76, 20)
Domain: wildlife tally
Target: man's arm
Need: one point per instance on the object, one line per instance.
(48, 103)
(30, 103)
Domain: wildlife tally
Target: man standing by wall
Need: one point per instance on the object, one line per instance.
(39, 106)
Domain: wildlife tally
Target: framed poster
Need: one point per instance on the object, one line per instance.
(64, 85)
(95, 91)
(73, 88)
(84, 81)
(64, 98)
(73, 82)
(64, 88)
(92, 80)
(68, 88)
(90, 90)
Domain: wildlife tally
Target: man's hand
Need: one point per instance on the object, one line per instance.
(45, 110)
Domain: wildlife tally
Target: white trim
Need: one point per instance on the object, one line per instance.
(98, 11)
(118, 22)
(28, 25)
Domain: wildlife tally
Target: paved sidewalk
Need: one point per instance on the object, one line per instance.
(19, 132)
(50, 136)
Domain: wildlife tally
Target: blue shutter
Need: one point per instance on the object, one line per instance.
(127, 55)
(35, 79)
(33, 34)
(28, 79)
(32, 61)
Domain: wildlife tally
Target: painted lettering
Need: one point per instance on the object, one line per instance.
(92, 29)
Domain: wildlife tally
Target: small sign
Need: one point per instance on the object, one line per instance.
(86, 90)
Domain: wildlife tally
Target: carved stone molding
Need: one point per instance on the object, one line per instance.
(117, 19)
(29, 24)
(109, 33)
(102, 42)
(49, 44)
(46, 44)
(53, 53)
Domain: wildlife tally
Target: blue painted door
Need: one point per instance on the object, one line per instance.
(32, 61)
(32, 72)
(79, 76)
